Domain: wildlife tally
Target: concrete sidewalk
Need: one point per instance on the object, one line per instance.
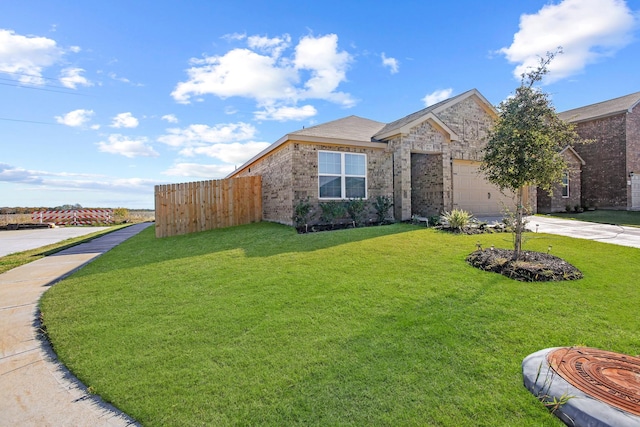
(35, 389)
(606, 233)
(22, 240)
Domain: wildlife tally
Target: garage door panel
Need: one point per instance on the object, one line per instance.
(475, 194)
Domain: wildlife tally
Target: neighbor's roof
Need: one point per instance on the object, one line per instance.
(351, 128)
(602, 109)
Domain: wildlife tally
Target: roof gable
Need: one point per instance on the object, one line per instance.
(569, 149)
(608, 108)
(403, 125)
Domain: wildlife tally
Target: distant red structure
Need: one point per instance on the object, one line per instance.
(74, 216)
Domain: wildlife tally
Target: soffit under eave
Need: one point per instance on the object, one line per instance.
(433, 120)
(335, 141)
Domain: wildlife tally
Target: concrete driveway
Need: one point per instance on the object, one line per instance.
(22, 240)
(606, 233)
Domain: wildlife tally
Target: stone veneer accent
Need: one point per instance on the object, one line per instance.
(467, 119)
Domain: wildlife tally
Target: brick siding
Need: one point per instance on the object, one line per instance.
(604, 177)
(290, 175)
(556, 203)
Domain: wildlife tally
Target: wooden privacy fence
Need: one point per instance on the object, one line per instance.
(205, 205)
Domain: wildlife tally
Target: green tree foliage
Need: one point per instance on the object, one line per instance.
(524, 145)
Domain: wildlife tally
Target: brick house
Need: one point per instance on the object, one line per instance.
(427, 162)
(611, 174)
(567, 194)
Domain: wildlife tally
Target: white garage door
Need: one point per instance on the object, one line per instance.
(635, 192)
(475, 194)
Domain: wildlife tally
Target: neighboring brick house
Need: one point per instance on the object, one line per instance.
(611, 175)
(428, 162)
(566, 195)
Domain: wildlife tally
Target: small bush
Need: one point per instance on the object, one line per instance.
(456, 219)
(302, 211)
(382, 205)
(121, 216)
(355, 209)
(331, 211)
(434, 220)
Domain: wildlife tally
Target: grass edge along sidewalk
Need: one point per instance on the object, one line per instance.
(381, 325)
(17, 259)
(36, 388)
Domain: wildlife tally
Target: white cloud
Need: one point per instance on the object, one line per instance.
(171, 118)
(71, 78)
(437, 96)
(228, 142)
(201, 135)
(234, 37)
(25, 57)
(587, 30)
(273, 46)
(271, 78)
(114, 76)
(240, 72)
(199, 170)
(392, 63)
(72, 181)
(283, 114)
(75, 118)
(328, 68)
(235, 152)
(124, 120)
(128, 147)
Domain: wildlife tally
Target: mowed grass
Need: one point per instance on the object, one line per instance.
(257, 325)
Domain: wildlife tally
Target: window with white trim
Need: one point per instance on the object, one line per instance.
(342, 175)
(565, 185)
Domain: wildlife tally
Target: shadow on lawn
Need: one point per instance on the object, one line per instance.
(254, 240)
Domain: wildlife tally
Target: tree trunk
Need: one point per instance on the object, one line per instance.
(519, 224)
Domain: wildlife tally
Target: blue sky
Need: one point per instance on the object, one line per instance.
(103, 100)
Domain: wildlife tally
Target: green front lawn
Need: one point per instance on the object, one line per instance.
(258, 325)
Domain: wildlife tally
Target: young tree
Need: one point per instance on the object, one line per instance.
(524, 145)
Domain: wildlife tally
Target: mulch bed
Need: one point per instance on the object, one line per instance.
(530, 266)
(316, 228)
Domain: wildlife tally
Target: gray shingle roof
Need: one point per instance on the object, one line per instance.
(601, 109)
(352, 128)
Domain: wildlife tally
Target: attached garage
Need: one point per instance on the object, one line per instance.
(635, 192)
(473, 193)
